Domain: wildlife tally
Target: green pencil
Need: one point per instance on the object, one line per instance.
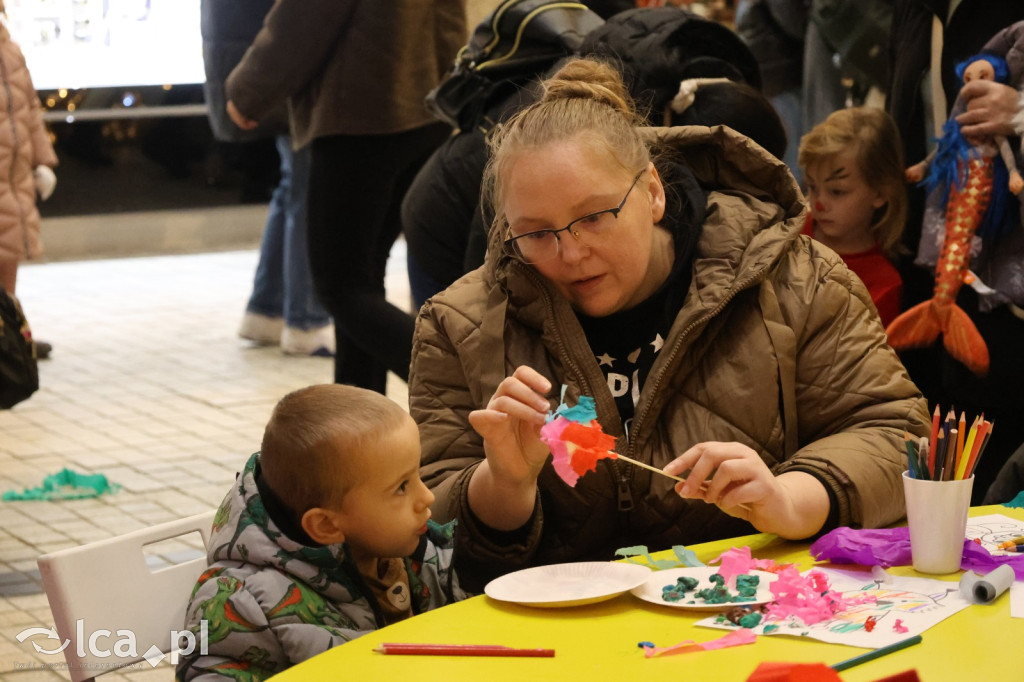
(877, 653)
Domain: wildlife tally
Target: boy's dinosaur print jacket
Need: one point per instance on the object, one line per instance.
(270, 602)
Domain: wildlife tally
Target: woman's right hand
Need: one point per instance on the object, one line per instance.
(510, 426)
(503, 489)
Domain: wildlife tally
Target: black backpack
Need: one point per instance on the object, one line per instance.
(517, 42)
(19, 374)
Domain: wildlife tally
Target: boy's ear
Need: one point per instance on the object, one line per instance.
(323, 525)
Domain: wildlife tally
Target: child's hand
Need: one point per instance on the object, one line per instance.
(915, 173)
(1016, 182)
(45, 180)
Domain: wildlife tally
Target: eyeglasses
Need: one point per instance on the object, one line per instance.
(543, 245)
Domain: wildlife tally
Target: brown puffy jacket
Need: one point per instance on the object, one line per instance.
(777, 346)
(24, 144)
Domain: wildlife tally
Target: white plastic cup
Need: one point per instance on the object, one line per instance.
(937, 518)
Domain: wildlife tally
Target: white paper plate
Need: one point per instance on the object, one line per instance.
(652, 587)
(573, 584)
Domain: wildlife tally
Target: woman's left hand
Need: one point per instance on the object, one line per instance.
(794, 504)
(727, 475)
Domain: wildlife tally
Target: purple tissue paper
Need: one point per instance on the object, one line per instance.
(891, 547)
(868, 547)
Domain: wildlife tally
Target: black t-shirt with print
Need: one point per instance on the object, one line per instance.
(626, 343)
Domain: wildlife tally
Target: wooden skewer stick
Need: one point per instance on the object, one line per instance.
(703, 486)
(650, 468)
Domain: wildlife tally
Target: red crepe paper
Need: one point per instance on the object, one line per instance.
(576, 448)
(794, 672)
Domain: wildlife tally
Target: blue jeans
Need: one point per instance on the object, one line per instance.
(283, 285)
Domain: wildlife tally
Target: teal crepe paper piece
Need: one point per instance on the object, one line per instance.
(1017, 502)
(65, 485)
(684, 557)
(583, 412)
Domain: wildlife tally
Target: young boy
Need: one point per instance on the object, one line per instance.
(306, 551)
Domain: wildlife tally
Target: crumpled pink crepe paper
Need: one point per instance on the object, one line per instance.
(738, 561)
(891, 547)
(807, 597)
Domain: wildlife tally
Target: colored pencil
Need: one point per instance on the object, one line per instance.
(877, 653)
(984, 444)
(912, 463)
(924, 453)
(940, 456)
(934, 436)
(1011, 542)
(461, 650)
(965, 453)
(961, 435)
(950, 462)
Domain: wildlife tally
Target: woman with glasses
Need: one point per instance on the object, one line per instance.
(661, 272)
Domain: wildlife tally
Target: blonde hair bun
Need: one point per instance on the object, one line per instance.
(589, 79)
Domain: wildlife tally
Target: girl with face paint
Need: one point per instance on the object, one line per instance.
(853, 168)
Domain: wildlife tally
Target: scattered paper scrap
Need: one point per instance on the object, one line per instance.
(854, 597)
(65, 485)
(735, 638)
(684, 557)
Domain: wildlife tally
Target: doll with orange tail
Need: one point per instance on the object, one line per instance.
(974, 176)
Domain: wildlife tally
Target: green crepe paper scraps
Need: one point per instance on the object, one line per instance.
(65, 485)
(1017, 502)
(684, 557)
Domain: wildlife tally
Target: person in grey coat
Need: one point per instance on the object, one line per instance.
(283, 307)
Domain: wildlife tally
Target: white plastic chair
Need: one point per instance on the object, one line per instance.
(108, 586)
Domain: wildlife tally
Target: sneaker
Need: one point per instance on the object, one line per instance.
(318, 341)
(261, 329)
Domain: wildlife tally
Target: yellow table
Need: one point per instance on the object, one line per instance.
(599, 641)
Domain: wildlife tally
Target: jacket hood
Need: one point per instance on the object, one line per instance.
(243, 532)
(657, 47)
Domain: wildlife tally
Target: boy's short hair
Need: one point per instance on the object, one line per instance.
(312, 434)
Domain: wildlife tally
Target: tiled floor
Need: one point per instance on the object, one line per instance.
(149, 385)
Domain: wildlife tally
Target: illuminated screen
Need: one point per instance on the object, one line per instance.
(108, 43)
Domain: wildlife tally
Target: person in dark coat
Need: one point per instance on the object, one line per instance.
(655, 49)
(943, 380)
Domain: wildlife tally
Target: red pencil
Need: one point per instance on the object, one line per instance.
(461, 650)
